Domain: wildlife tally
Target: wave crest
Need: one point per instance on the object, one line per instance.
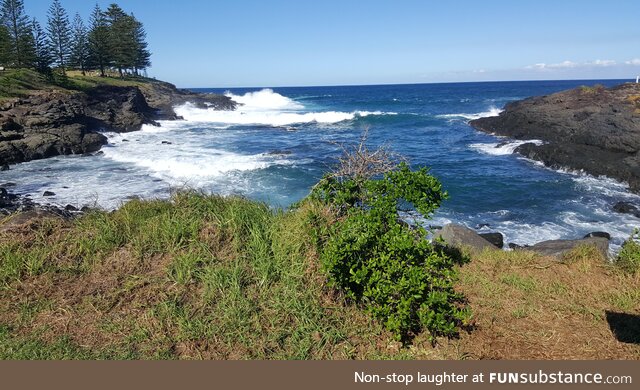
(267, 108)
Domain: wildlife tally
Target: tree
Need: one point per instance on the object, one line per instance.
(142, 54)
(79, 45)
(120, 37)
(5, 46)
(59, 34)
(16, 23)
(43, 58)
(99, 52)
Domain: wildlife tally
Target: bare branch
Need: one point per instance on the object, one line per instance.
(359, 163)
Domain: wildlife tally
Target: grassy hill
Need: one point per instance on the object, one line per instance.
(23, 82)
(209, 277)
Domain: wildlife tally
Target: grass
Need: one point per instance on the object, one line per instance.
(209, 277)
(23, 82)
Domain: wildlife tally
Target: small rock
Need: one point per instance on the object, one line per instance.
(167, 143)
(125, 140)
(7, 185)
(49, 193)
(4, 167)
(482, 225)
(599, 234)
(70, 208)
(515, 246)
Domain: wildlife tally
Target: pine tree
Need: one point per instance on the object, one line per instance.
(16, 22)
(59, 34)
(120, 37)
(79, 45)
(99, 53)
(5, 46)
(142, 54)
(43, 58)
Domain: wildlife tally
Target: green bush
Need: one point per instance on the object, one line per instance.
(629, 257)
(381, 262)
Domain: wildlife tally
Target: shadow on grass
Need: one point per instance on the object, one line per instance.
(625, 327)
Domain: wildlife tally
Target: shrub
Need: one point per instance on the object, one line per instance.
(379, 261)
(629, 257)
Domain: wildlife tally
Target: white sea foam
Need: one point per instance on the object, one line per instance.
(183, 161)
(503, 148)
(493, 111)
(267, 108)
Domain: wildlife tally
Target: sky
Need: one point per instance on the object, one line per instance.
(270, 43)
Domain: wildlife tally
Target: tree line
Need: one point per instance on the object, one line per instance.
(112, 40)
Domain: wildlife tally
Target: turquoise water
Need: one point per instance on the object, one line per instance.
(281, 140)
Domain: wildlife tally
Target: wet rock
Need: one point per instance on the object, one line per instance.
(4, 167)
(167, 143)
(594, 129)
(598, 234)
(626, 208)
(279, 152)
(70, 208)
(48, 193)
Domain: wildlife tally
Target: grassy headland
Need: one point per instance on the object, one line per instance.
(209, 277)
(16, 83)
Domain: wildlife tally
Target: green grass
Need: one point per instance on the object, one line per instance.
(210, 277)
(23, 82)
(195, 277)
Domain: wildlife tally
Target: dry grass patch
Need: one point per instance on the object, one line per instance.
(531, 307)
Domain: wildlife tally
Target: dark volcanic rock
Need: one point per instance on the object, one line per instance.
(49, 193)
(599, 234)
(592, 129)
(50, 123)
(626, 208)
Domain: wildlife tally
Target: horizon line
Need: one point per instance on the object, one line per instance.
(632, 80)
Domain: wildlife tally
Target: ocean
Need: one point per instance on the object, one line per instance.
(281, 141)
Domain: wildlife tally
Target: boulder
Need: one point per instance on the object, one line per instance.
(459, 236)
(559, 248)
(496, 239)
(49, 193)
(598, 234)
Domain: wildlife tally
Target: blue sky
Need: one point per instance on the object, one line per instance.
(233, 43)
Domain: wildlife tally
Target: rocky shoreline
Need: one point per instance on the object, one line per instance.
(590, 129)
(60, 122)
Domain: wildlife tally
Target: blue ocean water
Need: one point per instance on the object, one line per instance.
(279, 143)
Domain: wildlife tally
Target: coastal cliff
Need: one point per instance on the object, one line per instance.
(593, 129)
(55, 120)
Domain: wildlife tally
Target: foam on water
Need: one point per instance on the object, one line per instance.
(267, 108)
(503, 148)
(181, 160)
(493, 111)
